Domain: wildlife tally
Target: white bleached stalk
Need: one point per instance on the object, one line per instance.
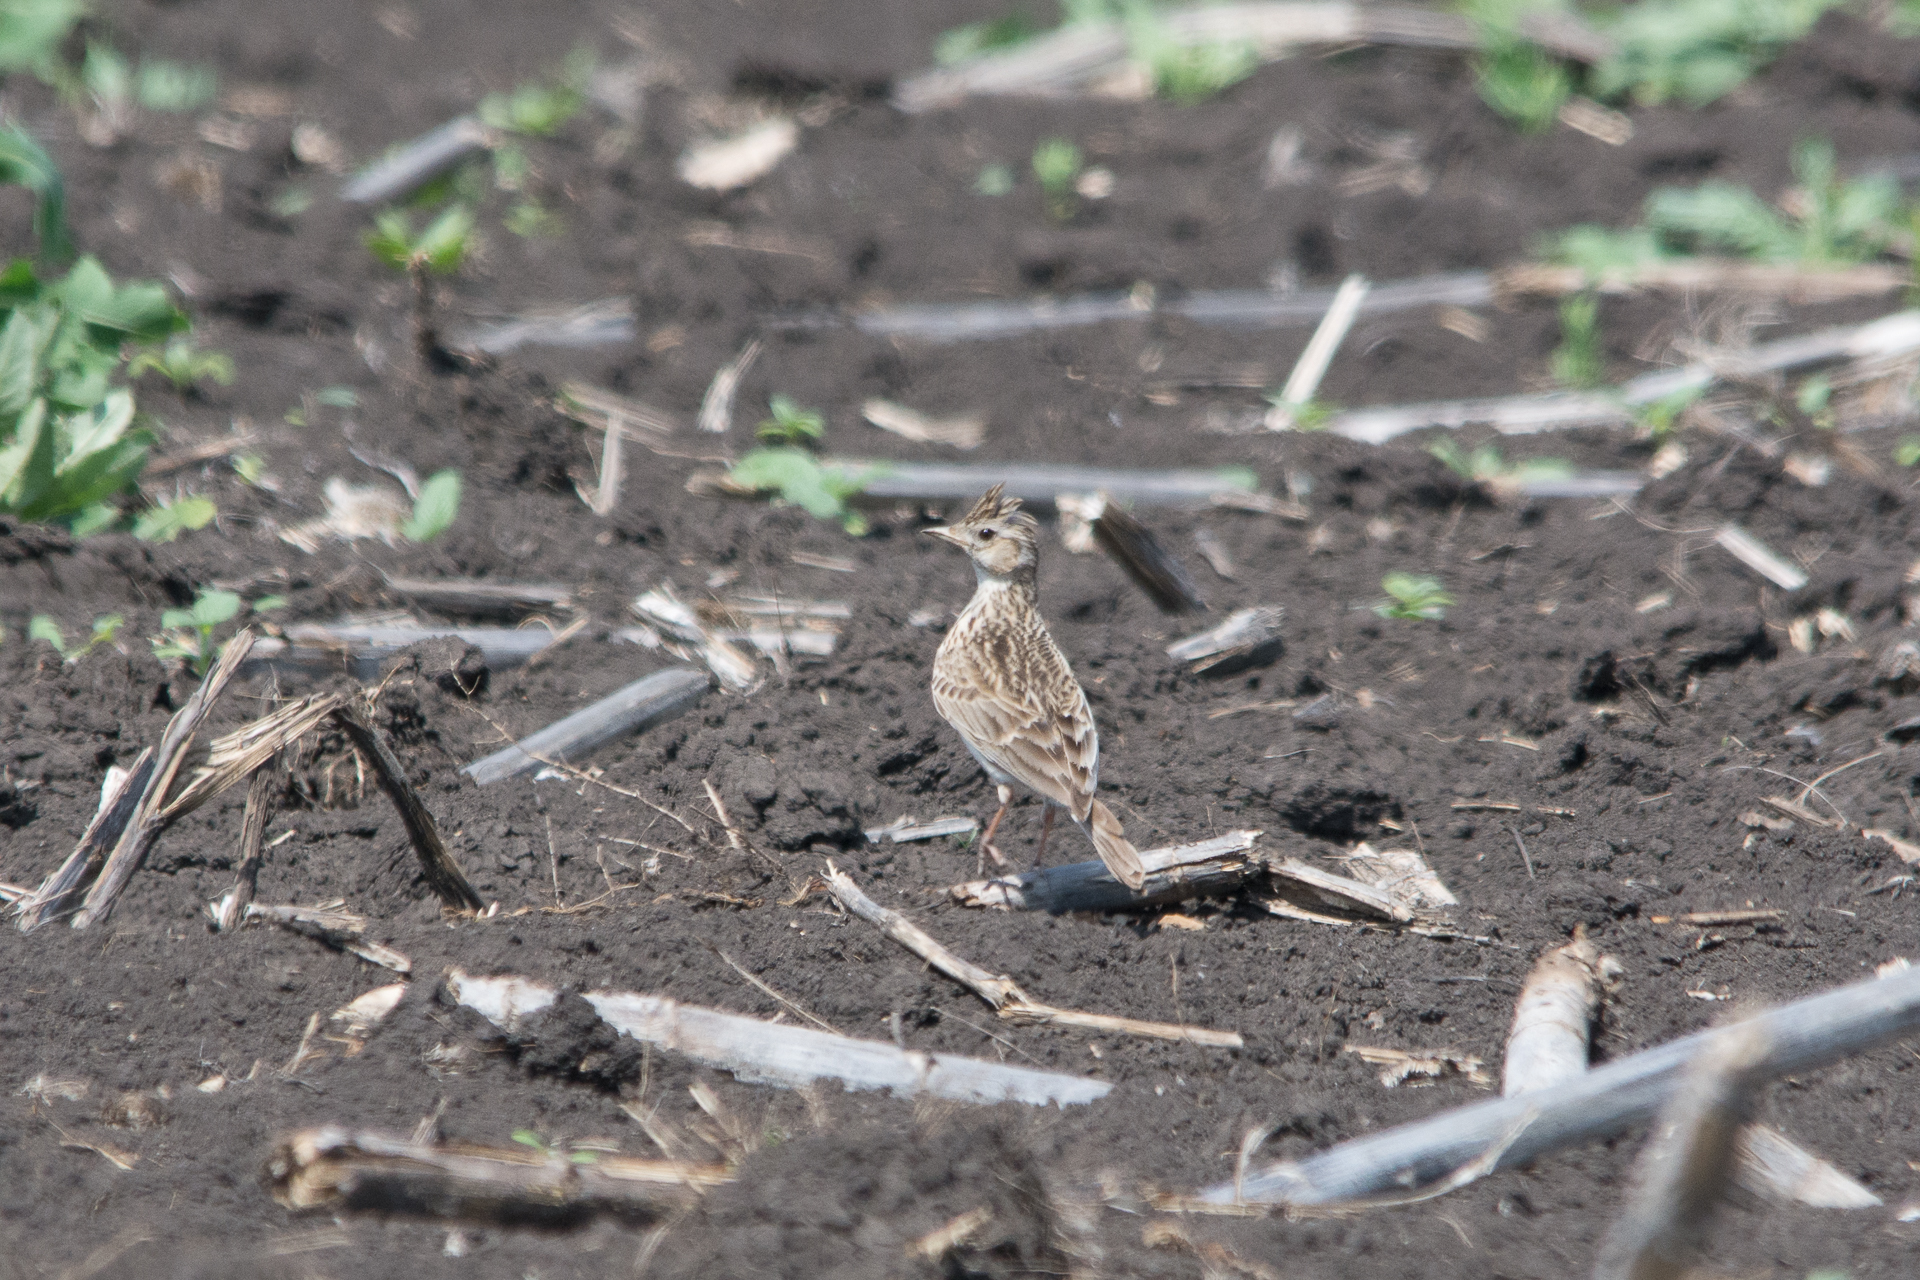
(1553, 1019)
(1312, 365)
(1757, 556)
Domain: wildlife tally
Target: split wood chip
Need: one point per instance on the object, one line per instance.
(605, 322)
(1770, 1164)
(1400, 1065)
(239, 754)
(474, 597)
(712, 630)
(1247, 638)
(367, 1010)
(352, 512)
(832, 564)
(603, 410)
(1403, 874)
(716, 407)
(760, 1052)
(1766, 915)
(905, 829)
(1219, 865)
(335, 1167)
(1324, 890)
(999, 991)
(944, 1239)
(329, 924)
(1261, 504)
(962, 432)
(1550, 1039)
(725, 164)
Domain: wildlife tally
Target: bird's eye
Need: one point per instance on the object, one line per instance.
(986, 535)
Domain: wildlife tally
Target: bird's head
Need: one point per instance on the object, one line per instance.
(1002, 540)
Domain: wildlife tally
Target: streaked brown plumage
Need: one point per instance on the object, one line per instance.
(1001, 681)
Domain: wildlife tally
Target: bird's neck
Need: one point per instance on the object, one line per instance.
(1018, 587)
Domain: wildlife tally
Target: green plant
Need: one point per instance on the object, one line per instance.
(435, 509)
(1907, 452)
(165, 521)
(1579, 361)
(530, 1138)
(1057, 163)
(976, 38)
(41, 627)
(1826, 221)
(188, 633)
(67, 439)
(1485, 465)
(23, 162)
(1413, 596)
(790, 424)
(537, 109)
(1186, 73)
(183, 364)
(32, 32)
(1658, 418)
(801, 479)
(1697, 50)
(1522, 82)
(438, 250)
(994, 180)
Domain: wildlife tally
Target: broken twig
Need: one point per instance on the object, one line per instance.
(443, 875)
(998, 990)
(759, 1052)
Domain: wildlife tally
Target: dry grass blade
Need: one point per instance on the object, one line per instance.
(602, 410)
(998, 990)
(244, 751)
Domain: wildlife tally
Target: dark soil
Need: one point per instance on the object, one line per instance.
(1650, 733)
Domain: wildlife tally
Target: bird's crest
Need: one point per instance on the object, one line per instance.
(992, 506)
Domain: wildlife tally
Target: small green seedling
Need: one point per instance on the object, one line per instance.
(1907, 452)
(1578, 361)
(530, 1138)
(1658, 419)
(1814, 398)
(1057, 163)
(188, 633)
(165, 521)
(41, 627)
(24, 163)
(1413, 596)
(1522, 82)
(184, 365)
(435, 510)
(531, 220)
(438, 250)
(538, 110)
(802, 480)
(1484, 465)
(790, 424)
(1186, 73)
(994, 180)
(976, 38)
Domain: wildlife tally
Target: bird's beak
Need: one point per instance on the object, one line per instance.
(945, 534)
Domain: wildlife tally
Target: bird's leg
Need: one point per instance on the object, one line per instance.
(987, 850)
(1046, 827)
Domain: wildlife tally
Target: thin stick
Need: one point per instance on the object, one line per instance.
(640, 705)
(477, 598)
(606, 495)
(999, 991)
(342, 1169)
(253, 830)
(720, 811)
(1688, 1165)
(442, 873)
(1039, 484)
(1313, 362)
(1755, 554)
(760, 1052)
(1220, 864)
(118, 803)
(1523, 851)
(591, 324)
(716, 407)
(821, 1023)
(1802, 1036)
(417, 162)
(149, 820)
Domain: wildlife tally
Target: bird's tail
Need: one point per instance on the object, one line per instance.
(1121, 858)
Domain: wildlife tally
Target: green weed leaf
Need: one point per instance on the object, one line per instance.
(435, 509)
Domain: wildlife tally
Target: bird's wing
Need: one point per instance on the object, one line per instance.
(1017, 704)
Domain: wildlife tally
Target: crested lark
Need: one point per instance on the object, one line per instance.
(1004, 684)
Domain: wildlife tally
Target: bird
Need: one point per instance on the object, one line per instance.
(1002, 683)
